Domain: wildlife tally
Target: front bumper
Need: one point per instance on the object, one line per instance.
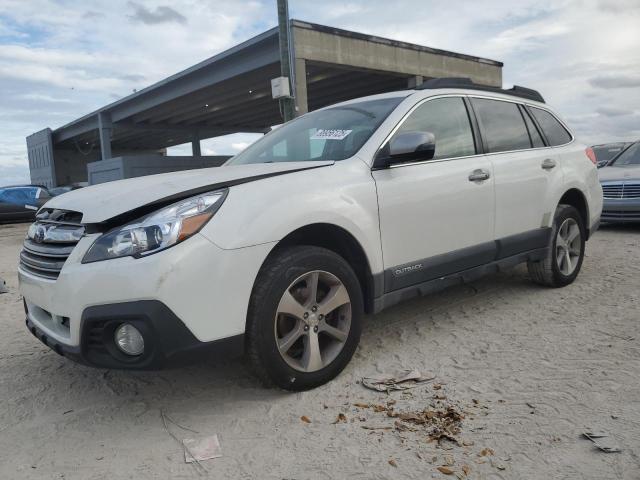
(621, 210)
(190, 298)
(168, 342)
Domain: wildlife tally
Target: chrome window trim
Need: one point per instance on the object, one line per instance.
(470, 96)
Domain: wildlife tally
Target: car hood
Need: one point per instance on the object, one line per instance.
(103, 202)
(610, 174)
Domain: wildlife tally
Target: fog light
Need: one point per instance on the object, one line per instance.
(129, 339)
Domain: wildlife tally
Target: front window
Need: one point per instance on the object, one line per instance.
(631, 156)
(334, 133)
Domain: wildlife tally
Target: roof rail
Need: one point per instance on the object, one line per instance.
(467, 83)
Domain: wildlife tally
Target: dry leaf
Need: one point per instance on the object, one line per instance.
(361, 405)
(486, 452)
(393, 463)
(445, 470)
(305, 419)
(342, 418)
(466, 469)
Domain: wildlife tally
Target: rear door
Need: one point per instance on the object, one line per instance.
(525, 170)
(436, 216)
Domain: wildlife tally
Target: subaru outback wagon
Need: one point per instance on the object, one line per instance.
(279, 253)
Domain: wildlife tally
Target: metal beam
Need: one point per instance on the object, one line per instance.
(195, 146)
(104, 129)
(287, 105)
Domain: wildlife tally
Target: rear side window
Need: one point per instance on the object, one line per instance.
(554, 131)
(448, 120)
(536, 139)
(503, 128)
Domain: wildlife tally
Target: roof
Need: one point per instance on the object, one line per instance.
(230, 92)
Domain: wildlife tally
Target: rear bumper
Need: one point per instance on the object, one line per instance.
(168, 342)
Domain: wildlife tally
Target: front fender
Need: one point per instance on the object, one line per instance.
(268, 210)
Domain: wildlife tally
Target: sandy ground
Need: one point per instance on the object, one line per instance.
(541, 364)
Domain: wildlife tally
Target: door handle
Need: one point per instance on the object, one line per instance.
(479, 175)
(548, 164)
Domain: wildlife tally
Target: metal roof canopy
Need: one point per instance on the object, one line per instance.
(230, 92)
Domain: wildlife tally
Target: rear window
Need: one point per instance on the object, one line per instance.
(554, 131)
(503, 128)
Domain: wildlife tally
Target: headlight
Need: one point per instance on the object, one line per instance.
(157, 231)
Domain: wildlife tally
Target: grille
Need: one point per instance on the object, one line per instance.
(49, 244)
(621, 190)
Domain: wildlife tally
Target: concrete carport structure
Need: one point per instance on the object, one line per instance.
(230, 93)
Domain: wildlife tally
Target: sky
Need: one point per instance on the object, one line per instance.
(60, 59)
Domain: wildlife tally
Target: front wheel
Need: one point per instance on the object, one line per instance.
(566, 250)
(304, 318)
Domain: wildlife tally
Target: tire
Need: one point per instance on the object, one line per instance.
(553, 270)
(285, 283)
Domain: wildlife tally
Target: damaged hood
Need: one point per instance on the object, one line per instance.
(103, 202)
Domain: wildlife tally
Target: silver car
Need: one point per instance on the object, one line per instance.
(621, 187)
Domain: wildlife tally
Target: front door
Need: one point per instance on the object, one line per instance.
(436, 216)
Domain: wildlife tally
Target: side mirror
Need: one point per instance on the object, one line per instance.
(407, 147)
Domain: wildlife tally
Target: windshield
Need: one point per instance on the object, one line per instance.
(334, 133)
(631, 156)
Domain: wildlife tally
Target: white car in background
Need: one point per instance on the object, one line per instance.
(280, 252)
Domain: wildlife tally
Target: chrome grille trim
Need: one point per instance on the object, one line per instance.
(621, 190)
(44, 255)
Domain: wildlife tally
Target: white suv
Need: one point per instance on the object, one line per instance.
(280, 252)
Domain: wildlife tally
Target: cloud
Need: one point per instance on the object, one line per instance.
(161, 14)
(613, 112)
(61, 59)
(238, 147)
(615, 81)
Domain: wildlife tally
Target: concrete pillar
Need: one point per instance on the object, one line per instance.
(195, 146)
(413, 82)
(104, 130)
(301, 86)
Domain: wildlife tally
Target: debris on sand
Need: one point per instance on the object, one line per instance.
(405, 380)
(305, 419)
(3, 286)
(341, 418)
(441, 423)
(198, 449)
(604, 445)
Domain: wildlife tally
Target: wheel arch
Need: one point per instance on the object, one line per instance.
(340, 241)
(577, 199)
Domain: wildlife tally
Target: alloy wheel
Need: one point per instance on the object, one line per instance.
(568, 246)
(313, 321)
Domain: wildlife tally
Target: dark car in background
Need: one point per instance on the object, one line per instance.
(21, 202)
(608, 151)
(620, 181)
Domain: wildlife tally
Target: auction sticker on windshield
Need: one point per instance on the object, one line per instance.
(331, 134)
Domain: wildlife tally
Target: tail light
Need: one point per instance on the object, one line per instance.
(592, 155)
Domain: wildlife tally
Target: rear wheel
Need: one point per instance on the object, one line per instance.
(566, 250)
(304, 318)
